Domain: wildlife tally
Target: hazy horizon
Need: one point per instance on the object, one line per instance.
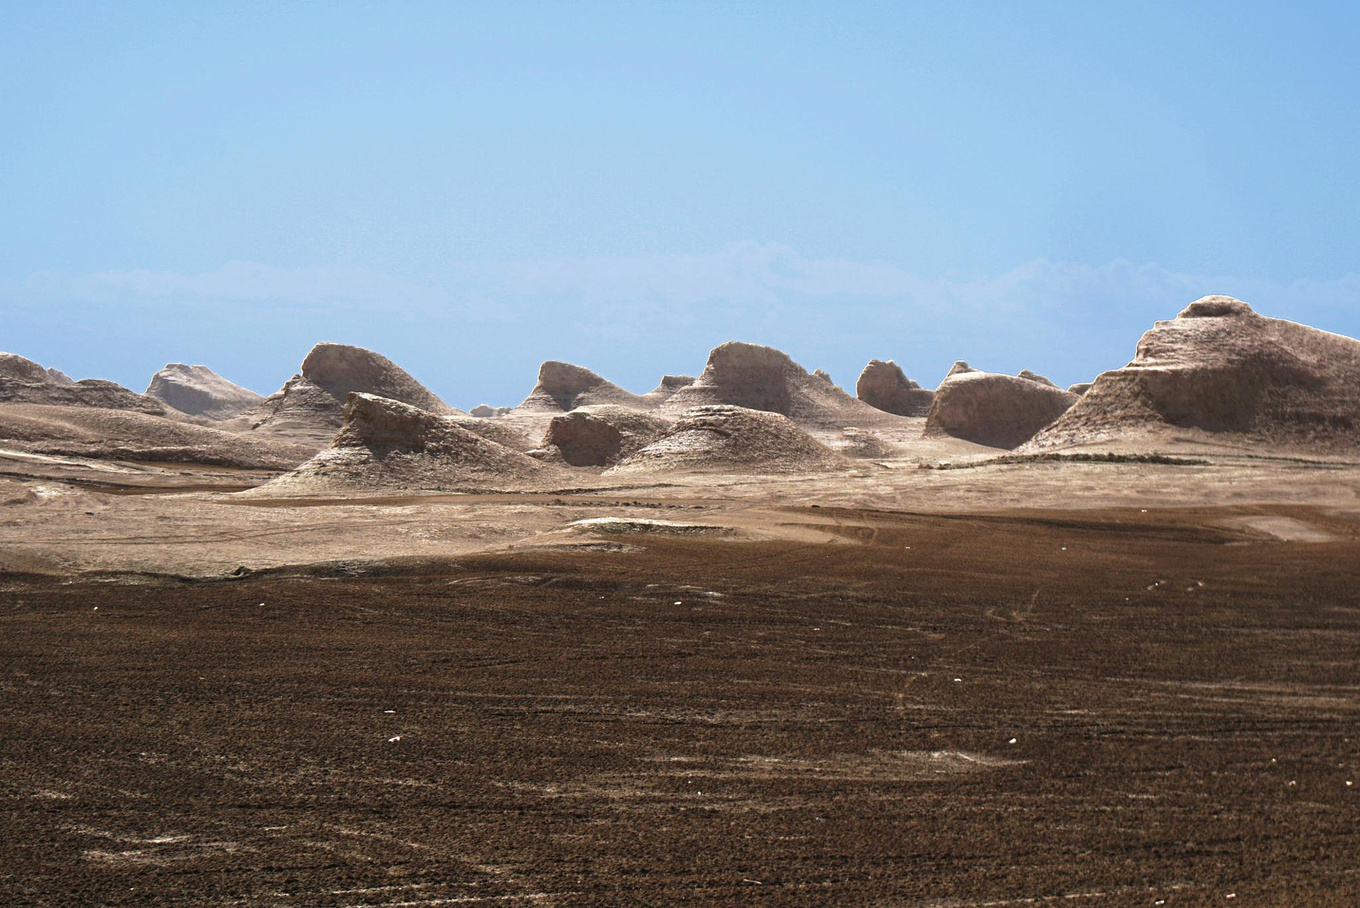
(470, 191)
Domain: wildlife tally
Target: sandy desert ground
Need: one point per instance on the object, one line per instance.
(741, 640)
(1104, 683)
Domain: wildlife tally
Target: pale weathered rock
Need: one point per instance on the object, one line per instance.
(389, 445)
(1219, 374)
(763, 378)
(598, 436)
(1035, 376)
(722, 438)
(24, 381)
(563, 387)
(312, 403)
(959, 367)
(199, 391)
(669, 385)
(1003, 411)
(885, 386)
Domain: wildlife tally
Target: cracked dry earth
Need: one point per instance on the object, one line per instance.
(1104, 707)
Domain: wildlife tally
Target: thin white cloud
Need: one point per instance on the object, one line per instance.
(235, 281)
(742, 280)
(764, 274)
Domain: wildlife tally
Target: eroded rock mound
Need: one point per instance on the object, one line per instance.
(1002, 411)
(390, 445)
(1079, 388)
(24, 381)
(1035, 376)
(486, 411)
(885, 386)
(599, 436)
(960, 366)
(199, 391)
(1221, 374)
(666, 390)
(563, 387)
(501, 431)
(312, 403)
(131, 435)
(763, 378)
(724, 438)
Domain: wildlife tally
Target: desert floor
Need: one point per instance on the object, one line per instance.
(980, 686)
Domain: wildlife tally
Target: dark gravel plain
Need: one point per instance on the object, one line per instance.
(1100, 707)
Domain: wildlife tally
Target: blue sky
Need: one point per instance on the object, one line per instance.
(473, 188)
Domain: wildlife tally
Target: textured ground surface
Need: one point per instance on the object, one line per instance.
(699, 721)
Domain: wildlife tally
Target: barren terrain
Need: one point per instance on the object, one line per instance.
(948, 688)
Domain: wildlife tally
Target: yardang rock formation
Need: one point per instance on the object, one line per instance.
(312, 404)
(563, 387)
(1002, 411)
(722, 438)
(24, 381)
(391, 445)
(885, 386)
(763, 378)
(199, 391)
(1220, 374)
(598, 436)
